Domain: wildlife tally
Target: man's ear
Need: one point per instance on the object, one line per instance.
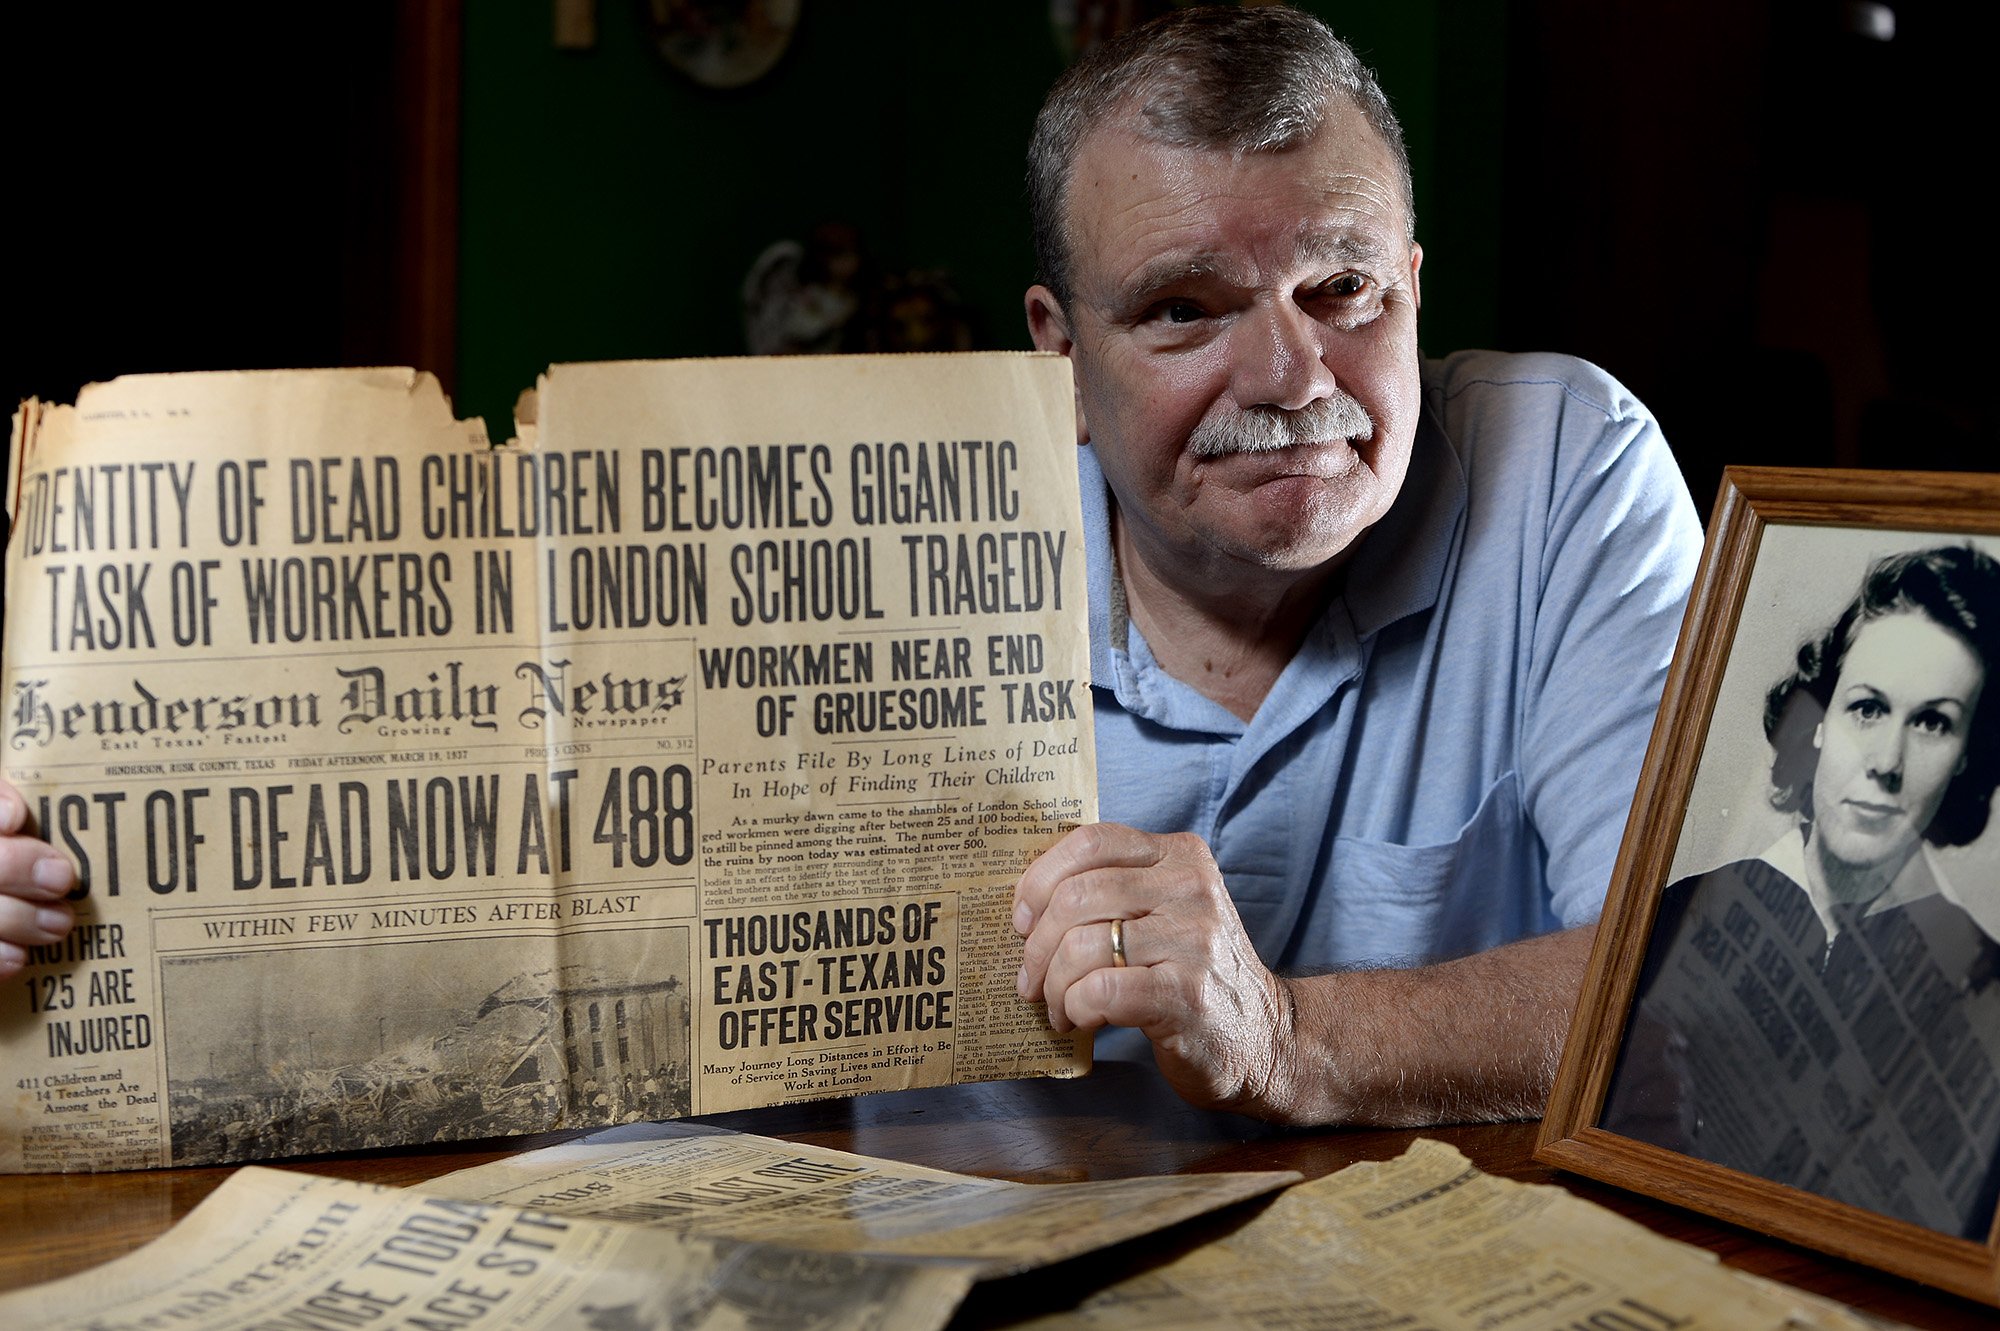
(1049, 327)
(1047, 324)
(1416, 284)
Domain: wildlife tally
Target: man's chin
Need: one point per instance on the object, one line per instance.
(1302, 548)
(1305, 508)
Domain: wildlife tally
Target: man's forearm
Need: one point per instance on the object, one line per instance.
(1471, 1040)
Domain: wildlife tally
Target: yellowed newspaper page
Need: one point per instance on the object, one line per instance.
(880, 615)
(703, 1180)
(272, 1249)
(674, 758)
(1427, 1240)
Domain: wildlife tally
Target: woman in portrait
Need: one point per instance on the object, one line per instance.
(1824, 1015)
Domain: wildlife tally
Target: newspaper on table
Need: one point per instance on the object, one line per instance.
(1428, 1240)
(840, 1241)
(676, 758)
(697, 1179)
(773, 1234)
(272, 1249)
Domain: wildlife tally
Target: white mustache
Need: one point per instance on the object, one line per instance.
(1268, 429)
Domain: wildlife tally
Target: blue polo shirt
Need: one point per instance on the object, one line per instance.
(1447, 763)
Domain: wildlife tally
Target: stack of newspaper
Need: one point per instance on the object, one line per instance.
(686, 1226)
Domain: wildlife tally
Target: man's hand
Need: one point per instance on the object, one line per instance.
(1217, 1018)
(34, 879)
(1467, 1040)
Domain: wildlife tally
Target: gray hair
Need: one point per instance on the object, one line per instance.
(1247, 80)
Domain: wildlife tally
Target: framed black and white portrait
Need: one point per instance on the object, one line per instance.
(1792, 1019)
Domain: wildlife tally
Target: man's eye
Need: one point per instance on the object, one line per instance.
(1180, 312)
(1344, 285)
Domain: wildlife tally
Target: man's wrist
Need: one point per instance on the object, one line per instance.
(1297, 1064)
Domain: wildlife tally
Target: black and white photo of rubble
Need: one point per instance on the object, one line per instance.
(709, 1284)
(300, 1051)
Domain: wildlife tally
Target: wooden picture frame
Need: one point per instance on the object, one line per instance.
(1657, 1090)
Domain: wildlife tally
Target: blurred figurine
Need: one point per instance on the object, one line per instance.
(800, 298)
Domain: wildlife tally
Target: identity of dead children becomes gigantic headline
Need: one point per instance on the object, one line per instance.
(92, 510)
(314, 687)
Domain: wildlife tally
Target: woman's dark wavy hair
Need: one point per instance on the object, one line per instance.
(1957, 588)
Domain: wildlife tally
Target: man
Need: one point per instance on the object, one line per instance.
(1376, 643)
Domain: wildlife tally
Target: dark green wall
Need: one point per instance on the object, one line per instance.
(610, 207)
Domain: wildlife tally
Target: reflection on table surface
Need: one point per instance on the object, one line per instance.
(1118, 1122)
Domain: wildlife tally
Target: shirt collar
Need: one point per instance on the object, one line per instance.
(1920, 877)
(1108, 619)
(1399, 566)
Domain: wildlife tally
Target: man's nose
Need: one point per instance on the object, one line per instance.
(1279, 359)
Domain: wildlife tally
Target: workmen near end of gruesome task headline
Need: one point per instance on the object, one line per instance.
(1376, 641)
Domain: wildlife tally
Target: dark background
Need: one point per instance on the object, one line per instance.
(1757, 217)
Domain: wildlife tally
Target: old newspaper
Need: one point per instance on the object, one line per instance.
(270, 1250)
(1427, 1240)
(675, 758)
(706, 1180)
(644, 1227)
(699, 1228)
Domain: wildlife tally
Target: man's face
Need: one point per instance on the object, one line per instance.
(1244, 334)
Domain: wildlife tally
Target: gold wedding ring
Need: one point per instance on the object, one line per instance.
(1118, 943)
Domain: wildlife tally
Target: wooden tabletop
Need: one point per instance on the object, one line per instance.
(1118, 1122)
